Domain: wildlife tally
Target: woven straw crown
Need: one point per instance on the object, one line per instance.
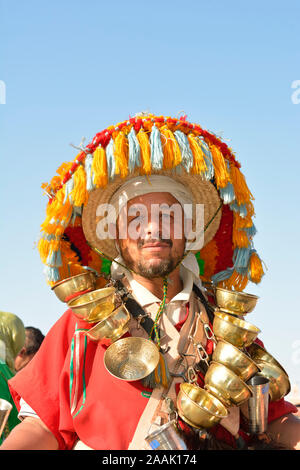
(146, 145)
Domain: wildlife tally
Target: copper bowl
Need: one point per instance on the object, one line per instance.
(234, 330)
(72, 286)
(198, 407)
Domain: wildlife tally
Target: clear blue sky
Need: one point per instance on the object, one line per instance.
(71, 68)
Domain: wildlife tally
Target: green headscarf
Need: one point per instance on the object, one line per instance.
(12, 334)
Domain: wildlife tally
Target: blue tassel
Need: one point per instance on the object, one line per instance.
(54, 259)
(157, 156)
(69, 189)
(110, 158)
(222, 275)
(242, 209)
(209, 173)
(88, 171)
(52, 274)
(251, 231)
(227, 193)
(187, 158)
(134, 151)
(241, 258)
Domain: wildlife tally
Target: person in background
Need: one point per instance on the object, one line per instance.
(12, 338)
(33, 340)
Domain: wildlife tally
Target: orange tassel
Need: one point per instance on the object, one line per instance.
(255, 268)
(171, 150)
(99, 167)
(221, 172)
(199, 166)
(242, 192)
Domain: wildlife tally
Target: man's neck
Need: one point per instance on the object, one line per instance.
(155, 285)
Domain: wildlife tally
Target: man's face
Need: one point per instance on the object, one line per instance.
(154, 242)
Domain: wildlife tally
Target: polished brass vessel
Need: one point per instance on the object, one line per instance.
(239, 362)
(94, 305)
(132, 358)
(72, 286)
(234, 330)
(238, 303)
(198, 407)
(112, 327)
(227, 386)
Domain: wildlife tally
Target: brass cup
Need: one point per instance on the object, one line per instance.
(258, 353)
(230, 356)
(112, 327)
(238, 303)
(198, 407)
(95, 305)
(228, 387)
(71, 286)
(131, 358)
(234, 330)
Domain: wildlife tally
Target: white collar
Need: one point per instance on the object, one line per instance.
(144, 297)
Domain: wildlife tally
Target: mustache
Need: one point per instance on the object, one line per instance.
(144, 241)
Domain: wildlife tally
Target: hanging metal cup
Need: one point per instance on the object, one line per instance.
(258, 404)
(167, 437)
(5, 409)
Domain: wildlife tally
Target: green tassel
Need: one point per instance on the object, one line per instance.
(200, 262)
(105, 267)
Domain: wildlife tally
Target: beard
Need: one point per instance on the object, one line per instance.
(150, 269)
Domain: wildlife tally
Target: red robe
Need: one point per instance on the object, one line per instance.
(108, 409)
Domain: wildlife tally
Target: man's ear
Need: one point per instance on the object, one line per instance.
(22, 353)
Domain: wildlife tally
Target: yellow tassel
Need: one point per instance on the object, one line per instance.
(241, 190)
(255, 268)
(221, 172)
(199, 166)
(239, 237)
(142, 137)
(79, 194)
(171, 150)
(242, 222)
(43, 249)
(121, 154)
(99, 167)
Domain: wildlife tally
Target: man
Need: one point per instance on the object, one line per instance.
(33, 340)
(67, 395)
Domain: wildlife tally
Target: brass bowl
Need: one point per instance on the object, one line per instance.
(228, 387)
(231, 301)
(230, 356)
(131, 358)
(258, 353)
(95, 305)
(279, 384)
(198, 407)
(112, 327)
(66, 289)
(234, 330)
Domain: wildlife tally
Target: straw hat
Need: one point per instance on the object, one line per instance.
(148, 145)
(203, 192)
